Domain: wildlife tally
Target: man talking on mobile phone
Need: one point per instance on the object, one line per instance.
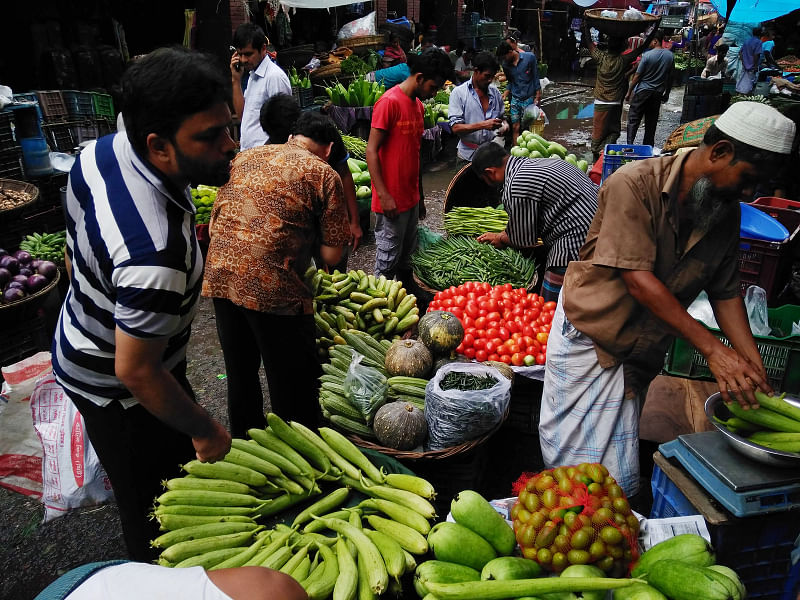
(264, 80)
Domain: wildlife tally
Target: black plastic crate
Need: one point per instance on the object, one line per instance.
(11, 163)
(22, 335)
(59, 136)
(79, 104)
(526, 400)
(7, 129)
(52, 105)
(48, 220)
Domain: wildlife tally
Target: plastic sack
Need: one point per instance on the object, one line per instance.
(534, 115)
(755, 302)
(365, 387)
(456, 416)
(608, 14)
(20, 449)
(701, 310)
(359, 28)
(427, 237)
(71, 472)
(632, 15)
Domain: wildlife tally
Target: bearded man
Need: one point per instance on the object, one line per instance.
(665, 229)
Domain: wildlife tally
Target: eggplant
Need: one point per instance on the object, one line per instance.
(12, 294)
(48, 269)
(23, 257)
(10, 263)
(5, 277)
(37, 282)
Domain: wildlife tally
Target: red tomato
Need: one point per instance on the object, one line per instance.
(514, 348)
(549, 305)
(516, 336)
(540, 359)
(542, 338)
(498, 342)
(507, 287)
(467, 321)
(447, 303)
(505, 358)
(513, 327)
(484, 305)
(460, 348)
(471, 309)
(483, 312)
(453, 291)
(458, 312)
(491, 347)
(504, 333)
(472, 296)
(480, 355)
(468, 341)
(480, 333)
(469, 286)
(493, 316)
(547, 317)
(547, 326)
(480, 322)
(517, 359)
(492, 332)
(469, 352)
(479, 344)
(460, 301)
(529, 341)
(494, 357)
(527, 330)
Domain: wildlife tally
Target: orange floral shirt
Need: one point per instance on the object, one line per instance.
(280, 204)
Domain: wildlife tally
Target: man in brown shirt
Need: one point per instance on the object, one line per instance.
(665, 229)
(283, 205)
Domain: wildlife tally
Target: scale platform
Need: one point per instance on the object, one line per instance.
(742, 486)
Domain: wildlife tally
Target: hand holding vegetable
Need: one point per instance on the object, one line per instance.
(214, 445)
(737, 377)
(498, 240)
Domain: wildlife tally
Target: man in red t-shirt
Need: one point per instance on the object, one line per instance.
(393, 160)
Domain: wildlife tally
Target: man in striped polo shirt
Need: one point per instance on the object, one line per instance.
(544, 198)
(135, 272)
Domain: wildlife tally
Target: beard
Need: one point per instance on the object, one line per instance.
(709, 205)
(200, 171)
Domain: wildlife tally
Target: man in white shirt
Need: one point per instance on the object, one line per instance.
(265, 79)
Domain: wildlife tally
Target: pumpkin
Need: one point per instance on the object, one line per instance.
(446, 360)
(400, 425)
(410, 358)
(440, 331)
(504, 369)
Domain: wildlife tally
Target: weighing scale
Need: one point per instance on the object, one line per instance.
(741, 485)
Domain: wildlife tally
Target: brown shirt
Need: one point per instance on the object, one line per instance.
(280, 204)
(636, 227)
(611, 84)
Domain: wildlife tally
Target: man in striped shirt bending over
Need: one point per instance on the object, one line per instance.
(135, 273)
(545, 198)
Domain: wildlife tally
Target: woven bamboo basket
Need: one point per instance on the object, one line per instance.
(363, 44)
(31, 301)
(18, 186)
(618, 27)
(326, 71)
(467, 189)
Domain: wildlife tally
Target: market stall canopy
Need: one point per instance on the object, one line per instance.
(315, 3)
(755, 11)
(605, 3)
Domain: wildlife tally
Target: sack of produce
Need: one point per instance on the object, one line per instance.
(575, 515)
(365, 387)
(464, 401)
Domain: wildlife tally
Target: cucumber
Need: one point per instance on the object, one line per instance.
(455, 543)
(473, 511)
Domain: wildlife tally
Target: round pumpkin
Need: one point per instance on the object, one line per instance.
(400, 425)
(440, 331)
(410, 358)
(446, 360)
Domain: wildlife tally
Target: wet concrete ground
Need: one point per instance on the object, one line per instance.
(33, 554)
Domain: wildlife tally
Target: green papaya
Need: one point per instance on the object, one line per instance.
(687, 547)
(353, 166)
(455, 543)
(511, 567)
(473, 511)
(638, 591)
(440, 571)
(682, 581)
(732, 575)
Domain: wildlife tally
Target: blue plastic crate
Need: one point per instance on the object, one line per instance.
(629, 152)
(668, 500)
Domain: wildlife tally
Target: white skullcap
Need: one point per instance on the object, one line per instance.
(758, 125)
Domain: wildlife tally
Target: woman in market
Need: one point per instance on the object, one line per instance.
(283, 205)
(394, 53)
(544, 198)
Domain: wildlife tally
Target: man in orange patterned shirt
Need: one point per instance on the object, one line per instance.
(282, 205)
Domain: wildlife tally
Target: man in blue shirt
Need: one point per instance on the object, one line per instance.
(650, 87)
(750, 55)
(476, 107)
(523, 81)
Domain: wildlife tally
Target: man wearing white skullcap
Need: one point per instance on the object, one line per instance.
(666, 229)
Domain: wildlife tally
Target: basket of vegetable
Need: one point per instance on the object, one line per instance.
(15, 196)
(25, 281)
(363, 44)
(619, 26)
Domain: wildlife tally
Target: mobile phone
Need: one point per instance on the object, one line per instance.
(237, 66)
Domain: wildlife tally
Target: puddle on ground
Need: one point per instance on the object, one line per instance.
(569, 110)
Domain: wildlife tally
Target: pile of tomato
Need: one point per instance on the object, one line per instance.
(500, 323)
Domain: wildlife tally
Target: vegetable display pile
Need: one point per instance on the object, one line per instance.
(22, 275)
(684, 61)
(532, 145)
(299, 82)
(359, 93)
(211, 516)
(46, 246)
(355, 146)
(355, 300)
(435, 113)
(203, 197)
(500, 323)
(466, 381)
(473, 221)
(354, 65)
(456, 260)
(361, 179)
(754, 98)
(775, 424)
(13, 198)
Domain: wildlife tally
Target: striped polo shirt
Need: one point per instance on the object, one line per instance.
(552, 199)
(136, 266)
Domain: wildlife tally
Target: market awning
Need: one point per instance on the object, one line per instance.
(756, 11)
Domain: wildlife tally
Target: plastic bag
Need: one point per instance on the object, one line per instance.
(426, 237)
(632, 14)
(455, 416)
(608, 14)
(20, 449)
(359, 28)
(701, 310)
(755, 301)
(71, 472)
(365, 387)
(534, 116)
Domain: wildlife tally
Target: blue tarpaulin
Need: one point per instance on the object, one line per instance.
(756, 11)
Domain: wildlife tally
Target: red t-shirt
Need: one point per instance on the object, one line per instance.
(401, 117)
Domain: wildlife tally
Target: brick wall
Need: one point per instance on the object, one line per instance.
(381, 9)
(239, 14)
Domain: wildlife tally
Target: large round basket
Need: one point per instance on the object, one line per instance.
(363, 44)
(27, 306)
(296, 56)
(18, 186)
(325, 71)
(467, 189)
(424, 286)
(618, 27)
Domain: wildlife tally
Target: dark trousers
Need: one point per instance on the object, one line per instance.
(606, 126)
(647, 105)
(286, 345)
(138, 452)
